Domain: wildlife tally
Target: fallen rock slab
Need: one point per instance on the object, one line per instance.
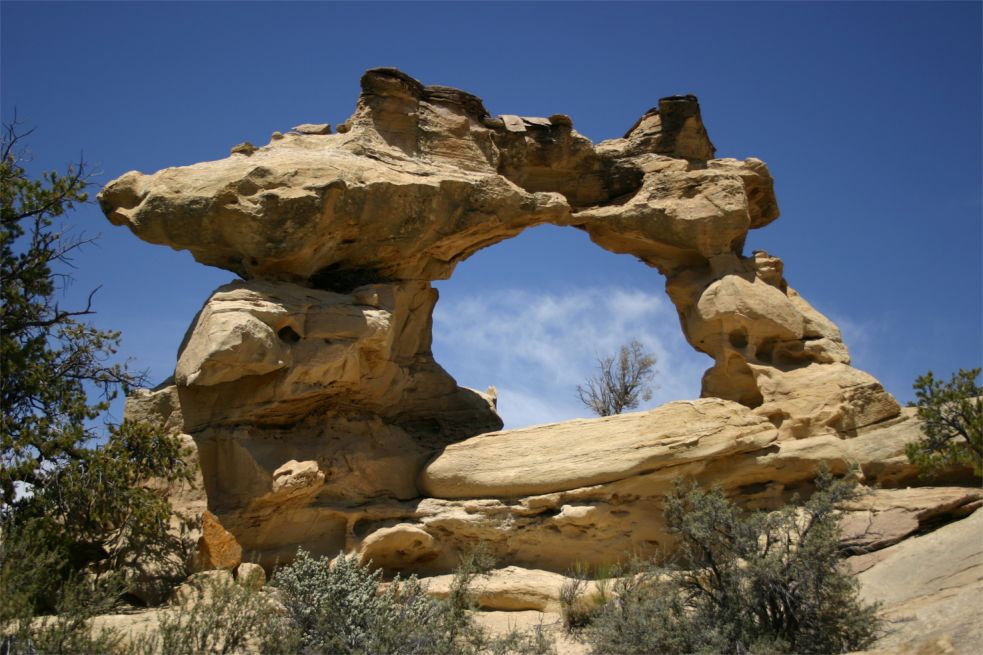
(884, 517)
(562, 456)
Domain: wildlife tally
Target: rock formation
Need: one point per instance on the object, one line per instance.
(308, 388)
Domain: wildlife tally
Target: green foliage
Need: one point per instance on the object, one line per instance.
(620, 382)
(952, 420)
(338, 608)
(47, 357)
(221, 618)
(741, 583)
(67, 504)
(93, 513)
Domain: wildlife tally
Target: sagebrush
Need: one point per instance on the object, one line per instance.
(740, 583)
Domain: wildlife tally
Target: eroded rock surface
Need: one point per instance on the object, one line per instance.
(309, 392)
(421, 177)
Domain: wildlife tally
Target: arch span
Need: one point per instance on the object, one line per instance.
(322, 352)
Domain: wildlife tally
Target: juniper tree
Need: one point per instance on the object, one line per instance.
(952, 420)
(66, 500)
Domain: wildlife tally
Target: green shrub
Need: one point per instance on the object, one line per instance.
(741, 583)
(337, 608)
(94, 514)
(221, 617)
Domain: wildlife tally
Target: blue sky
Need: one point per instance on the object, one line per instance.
(868, 114)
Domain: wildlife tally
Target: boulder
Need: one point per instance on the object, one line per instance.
(217, 547)
(252, 576)
(397, 547)
(296, 480)
(312, 128)
(512, 589)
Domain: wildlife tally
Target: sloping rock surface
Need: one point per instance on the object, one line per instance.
(931, 586)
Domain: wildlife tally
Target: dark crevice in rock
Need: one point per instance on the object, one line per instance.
(341, 280)
(288, 334)
(933, 523)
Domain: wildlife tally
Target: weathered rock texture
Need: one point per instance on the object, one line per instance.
(320, 417)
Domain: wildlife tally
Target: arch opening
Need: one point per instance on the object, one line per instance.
(532, 315)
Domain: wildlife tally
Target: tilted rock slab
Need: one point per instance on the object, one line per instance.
(586, 452)
(883, 517)
(309, 387)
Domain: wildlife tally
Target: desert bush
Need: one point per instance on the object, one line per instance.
(741, 582)
(337, 608)
(520, 642)
(580, 605)
(220, 617)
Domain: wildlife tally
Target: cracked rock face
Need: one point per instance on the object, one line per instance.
(309, 386)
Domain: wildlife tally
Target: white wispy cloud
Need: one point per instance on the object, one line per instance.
(535, 348)
(858, 335)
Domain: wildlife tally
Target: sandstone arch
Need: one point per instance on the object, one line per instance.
(322, 352)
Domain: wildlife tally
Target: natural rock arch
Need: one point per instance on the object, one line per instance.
(322, 352)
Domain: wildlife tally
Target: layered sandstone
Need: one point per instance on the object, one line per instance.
(309, 391)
